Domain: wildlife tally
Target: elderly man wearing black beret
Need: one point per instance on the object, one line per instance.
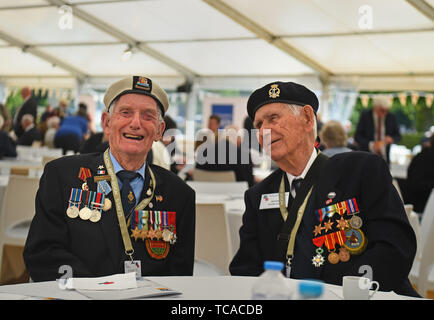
(323, 217)
(99, 214)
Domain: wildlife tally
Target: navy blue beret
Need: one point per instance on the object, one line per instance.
(286, 92)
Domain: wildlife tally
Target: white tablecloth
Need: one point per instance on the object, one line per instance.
(191, 288)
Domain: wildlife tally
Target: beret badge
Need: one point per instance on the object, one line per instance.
(274, 91)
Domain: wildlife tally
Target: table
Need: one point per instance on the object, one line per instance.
(191, 288)
(35, 167)
(234, 207)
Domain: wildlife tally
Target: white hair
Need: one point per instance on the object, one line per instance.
(296, 109)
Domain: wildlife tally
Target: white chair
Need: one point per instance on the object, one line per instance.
(18, 209)
(422, 273)
(213, 241)
(425, 277)
(228, 188)
(206, 175)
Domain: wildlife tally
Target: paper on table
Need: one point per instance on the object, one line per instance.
(145, 289)
(114, 282)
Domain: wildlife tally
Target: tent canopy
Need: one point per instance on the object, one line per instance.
(364, 44)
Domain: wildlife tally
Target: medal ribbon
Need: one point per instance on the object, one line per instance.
(318, 241)
(333, 238)
(84, 174)
(145, 219)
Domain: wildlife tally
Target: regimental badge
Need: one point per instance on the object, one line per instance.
(142, 83)
(130, 197)
(355, 241)
(274, 91)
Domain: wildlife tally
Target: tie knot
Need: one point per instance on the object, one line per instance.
(296, 184)
(127, 175)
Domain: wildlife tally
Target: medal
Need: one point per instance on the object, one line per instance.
(107, 204)
(356, 222)
(95, 216)
(74, 203)
(355, 241)
(333, 258)
(85, 213)
(318, 259)
(344, 255)
(83, 174)
(72, 212)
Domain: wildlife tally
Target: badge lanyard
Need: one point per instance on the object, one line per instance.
(129, 251)
(284, 212)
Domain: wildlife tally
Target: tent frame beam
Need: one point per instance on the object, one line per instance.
(262, 33)
(103, 26)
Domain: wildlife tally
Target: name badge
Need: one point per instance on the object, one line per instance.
(133, 266)
(271, 201)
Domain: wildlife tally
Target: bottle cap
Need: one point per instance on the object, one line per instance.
(273, 265)
(312, 289)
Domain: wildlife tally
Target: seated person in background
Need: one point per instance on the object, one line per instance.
(223, 155)
(71, 133)
(7, 145)
(420, 177)
(334, 138)
(97, 142)
(31, 133)
(52, 127)
(344, 217)
(102, 214)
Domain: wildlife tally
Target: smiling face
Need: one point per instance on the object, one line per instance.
(284, 132)
(131, 127)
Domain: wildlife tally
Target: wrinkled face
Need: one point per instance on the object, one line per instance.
(281, 132)
(133, 125)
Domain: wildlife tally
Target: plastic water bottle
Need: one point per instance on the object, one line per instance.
(271, 284)
(310, 290)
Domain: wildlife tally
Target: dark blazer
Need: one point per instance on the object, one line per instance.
(7, 146)
(420, 179)
(97, 249)
(364, 176)
(28, 137)
(28, 107)
(365, 130)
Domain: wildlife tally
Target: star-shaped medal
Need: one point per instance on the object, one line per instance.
(318, 260)
(151, 234)
(135, 233)
(328, 225)
(343, 224)
(318, 229)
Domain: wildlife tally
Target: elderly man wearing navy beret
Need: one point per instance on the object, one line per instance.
(323, 217)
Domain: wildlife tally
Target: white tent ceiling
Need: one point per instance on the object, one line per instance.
(219, 43)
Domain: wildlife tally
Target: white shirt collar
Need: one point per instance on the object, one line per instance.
(303, 174)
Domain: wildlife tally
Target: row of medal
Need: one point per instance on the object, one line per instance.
(88, 205)
(349, 236)
(154, 225)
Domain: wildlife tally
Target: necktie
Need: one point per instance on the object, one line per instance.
(127, 193)
(296, 184)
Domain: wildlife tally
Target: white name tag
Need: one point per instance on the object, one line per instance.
(133, 266)
(271, 201)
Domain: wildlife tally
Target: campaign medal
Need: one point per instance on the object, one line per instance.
(85, 212)
(83, 174)
(74, 203)
(333, 257)
(355, 241)
(356, 222)
(104, 188)
(344, 255)
(97, 206)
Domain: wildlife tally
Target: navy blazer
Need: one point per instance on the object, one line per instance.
(391, 241)
(97, 249)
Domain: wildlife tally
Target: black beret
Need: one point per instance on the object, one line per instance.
(286, 92)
